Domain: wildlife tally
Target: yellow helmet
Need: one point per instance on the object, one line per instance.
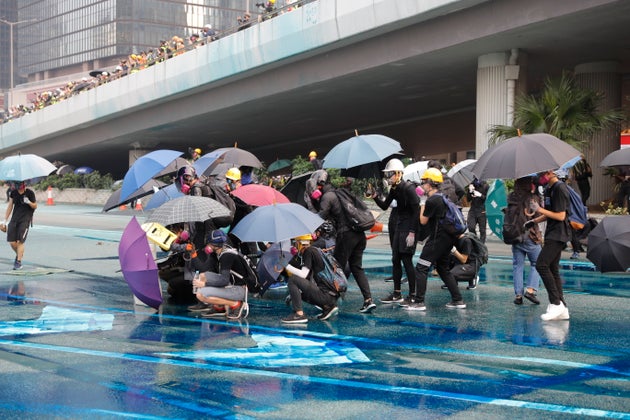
(198, 151)
(434, 175)
(234, 174)
(304, 238)
(313, 154)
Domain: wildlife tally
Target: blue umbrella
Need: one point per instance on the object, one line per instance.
(496, 202)
(272, 262)
(83, 170)
(277, 222)
(23, 167)
(360, 150)
(206, 163)
(148, 166)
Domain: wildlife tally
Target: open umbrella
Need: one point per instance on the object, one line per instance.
(276, 223)
(609, 244)
(461, 173)
(280, 167)
(619, 157)
(83, 170)
(188, 208)
(295, 187)
(259, 195)
(414, 171)
(23, 167)
(496, 202)
(162, 196)
(65, 169)
(524, 155)
(156, 163)
(206, 164)
(360, 150)
(138, 266)
(272, 262)
(148, 188)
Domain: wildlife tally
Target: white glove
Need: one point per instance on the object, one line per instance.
(411, 239)
(423, 200)
(471, 188)
(453, 250)
(476, 194)
(394, 204)
(541, 190)
(26, 200)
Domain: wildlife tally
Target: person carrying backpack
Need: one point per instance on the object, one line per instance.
(437, 249)
(402, 235)
(466, 260)
(305, 285)
(225, 289)
(350, 244)
(527, 244)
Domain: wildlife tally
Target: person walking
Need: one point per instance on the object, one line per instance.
(402, 235)
(477, 192)
(581, 173)
(530, 243)
(305, 284)
(557, 233)
(349, 244)
(18, 218)
(437, 250)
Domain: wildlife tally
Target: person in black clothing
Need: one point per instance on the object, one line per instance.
(436, 251)
(305, 285)
(557, 233)
(581, 173)
(477, 192)
(22, 205)
(350, 244)
(449, 188)
(463, 262)
(402, 235)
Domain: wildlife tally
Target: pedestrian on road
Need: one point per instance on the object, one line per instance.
(557, 233)
(476, 195)
(22, 205)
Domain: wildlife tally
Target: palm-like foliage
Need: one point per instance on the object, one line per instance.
(562, 109)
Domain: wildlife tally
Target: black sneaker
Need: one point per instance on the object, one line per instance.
(456, 304)
(473, 283)
(17, 265)
(295, 319)
(212, 313)
(406, 301)
(531, 297)
(518, 300)
(394, 297)
(416, 306)
(199, 307)
(328, 312)
(368, 306)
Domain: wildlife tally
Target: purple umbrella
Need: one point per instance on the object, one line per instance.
(138, 266)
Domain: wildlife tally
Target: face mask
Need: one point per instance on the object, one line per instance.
(184, 235)
(294, 251)
(543, 179)
(185, 189)
(208, 249)
(315, 195)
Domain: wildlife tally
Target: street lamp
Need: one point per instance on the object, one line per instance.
(11, 25)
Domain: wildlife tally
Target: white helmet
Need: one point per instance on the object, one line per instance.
(394, 165)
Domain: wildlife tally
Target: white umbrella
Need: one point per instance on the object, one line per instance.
(461, 173)
(23, 167)
(414, 171)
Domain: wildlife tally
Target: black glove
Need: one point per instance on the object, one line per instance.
(529, 224)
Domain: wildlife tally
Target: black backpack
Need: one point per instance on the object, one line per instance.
(513, 224)
(359, 217)
(251, 280)
(480, 250)
(332, 274)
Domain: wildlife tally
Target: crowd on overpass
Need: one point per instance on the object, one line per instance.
(135, 62)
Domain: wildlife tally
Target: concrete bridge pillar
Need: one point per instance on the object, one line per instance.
(604, 77)
(491, 96)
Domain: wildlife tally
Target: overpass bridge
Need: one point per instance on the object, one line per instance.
(432, 74)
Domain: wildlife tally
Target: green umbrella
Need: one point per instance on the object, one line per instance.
(280, 167)
(496, 202)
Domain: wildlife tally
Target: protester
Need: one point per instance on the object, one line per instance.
(22, 205)
(402, 236)
(581, 173)
(557, 233)
(464, 262)
(305, 284)
(350, 244)
(436, 251)
(223, 288)
(194, 154)
(476, 195)
(449, 188)
(317, 163)
(529, 245)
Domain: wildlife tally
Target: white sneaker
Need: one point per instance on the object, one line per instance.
(553, 312)
(565, 314)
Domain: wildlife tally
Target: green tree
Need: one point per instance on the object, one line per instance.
(562, 109)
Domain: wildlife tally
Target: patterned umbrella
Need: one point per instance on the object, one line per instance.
(188, 209)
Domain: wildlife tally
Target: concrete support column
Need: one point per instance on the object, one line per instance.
(604, 77)
(135, 154)
(491, 96)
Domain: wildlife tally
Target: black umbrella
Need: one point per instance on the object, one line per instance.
(294, 189)
(609, 244)
(148, 188)
(619, 157)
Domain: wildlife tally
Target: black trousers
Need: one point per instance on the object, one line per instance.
(436, 252)
(349, 249)
(548, 266)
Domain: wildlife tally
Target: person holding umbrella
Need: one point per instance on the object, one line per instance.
(22, 205)
(557, 233)
(306, 285)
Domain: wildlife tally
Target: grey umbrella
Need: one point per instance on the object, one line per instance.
(619, 157)
(524, 155)
(188, 209)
